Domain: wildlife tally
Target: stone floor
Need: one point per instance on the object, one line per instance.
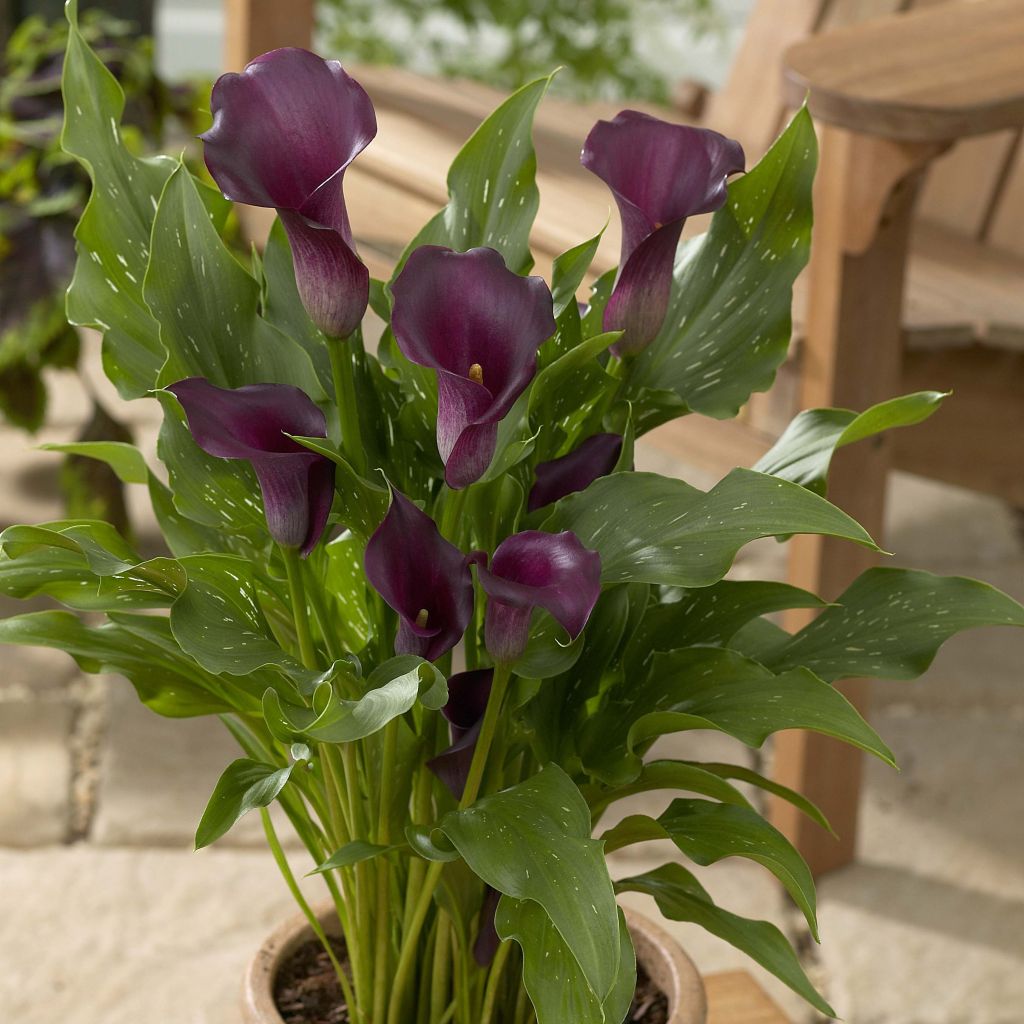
(108, 918)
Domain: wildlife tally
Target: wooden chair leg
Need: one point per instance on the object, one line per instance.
(865, 198)
(254, 26)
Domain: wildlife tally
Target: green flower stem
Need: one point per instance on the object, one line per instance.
(499, 687)
(343, 375)
(407, 956)
(300, 613)
(441, 974)
(362, 901)
(451, 513)
(494, 981)
(323, 620)
(383, 922)
(522, 1014)
(286, 872)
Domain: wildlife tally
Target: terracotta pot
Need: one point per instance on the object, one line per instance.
(661, 956)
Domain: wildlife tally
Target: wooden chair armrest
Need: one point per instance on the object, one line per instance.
(933, 75)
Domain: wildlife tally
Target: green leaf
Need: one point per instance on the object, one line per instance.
(360, 505)
(568, 272)
(890, 623)
(804, 452)
(711, 615)
(680, 897)
(208, 305)
(138, 647)
(218, 620)
(345, 586)
(708, 832)
(352, 853)
(124, 459)
(244, 785)
(114, 231)
(85, 564)
(653, 529)
(752, 778)
(391, 690)
(492, 191)
(714, 688)
(556, 379)
(728, 323)
(532, 842)
(283, 308)
(678, 775)
(551, 974)
(219, 493)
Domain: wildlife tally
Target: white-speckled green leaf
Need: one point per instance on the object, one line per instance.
(652, 529)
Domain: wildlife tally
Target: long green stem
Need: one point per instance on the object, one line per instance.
(300, 613)
(440, 978)
(407, 956)
(293, 886)
(494, 981)
(343, 375)
(451, 513)
(383, 922)
(499, 686)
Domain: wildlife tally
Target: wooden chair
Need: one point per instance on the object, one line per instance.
(896, 301)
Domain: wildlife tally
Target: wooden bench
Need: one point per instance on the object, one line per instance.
(920, 113)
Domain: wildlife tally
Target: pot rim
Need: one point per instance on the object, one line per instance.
(657, 951)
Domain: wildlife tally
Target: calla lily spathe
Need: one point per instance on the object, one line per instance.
(467, 702)
(479, 325)
(423, 577)
(593, 458)
(284, 131)
(252, 423)
(531, 570)
(659, 174)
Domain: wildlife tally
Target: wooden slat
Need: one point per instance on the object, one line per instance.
(944, 73)
(974, 439)
(751, 105)
(955, 282)
(851, 359)
(1007, 229)
(735, 998)
(963, 185)
(254, 26)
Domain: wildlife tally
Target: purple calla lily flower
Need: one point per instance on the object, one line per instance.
(467, 702)
(660, 174)
(479, 325)
(576, 471)
(423, 577)
(487, 938)
(252, 423)
(284, 131)
(537, 570)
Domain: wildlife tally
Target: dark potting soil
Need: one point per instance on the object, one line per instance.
(307, 991)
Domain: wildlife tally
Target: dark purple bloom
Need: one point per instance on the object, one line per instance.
(487, 939)
(660, 174)
(576, 471)
(421, 576)
(467, 702)
(479, 325)
(284, 131)
(252, 423)
(537, 570)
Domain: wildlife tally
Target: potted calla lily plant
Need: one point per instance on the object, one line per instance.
(418, 577)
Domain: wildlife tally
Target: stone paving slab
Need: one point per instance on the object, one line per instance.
(35, 773)
(928, 926)
(93, 936)
(157, 774)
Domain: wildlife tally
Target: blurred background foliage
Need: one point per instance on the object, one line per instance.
(505, 43)
(42, 194)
